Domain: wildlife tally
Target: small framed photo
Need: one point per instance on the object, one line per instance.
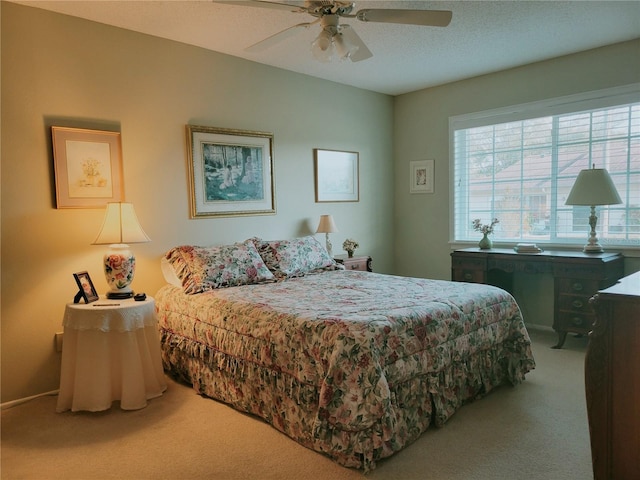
(421, 176)
(230, 172)
(87, 290)
(336, 176)
(88, 167)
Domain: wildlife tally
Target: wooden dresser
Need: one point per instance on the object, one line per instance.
(577, 277)
(612, 381)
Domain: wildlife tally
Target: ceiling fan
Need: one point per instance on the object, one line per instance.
(334, 38)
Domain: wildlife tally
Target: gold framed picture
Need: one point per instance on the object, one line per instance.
(88, 167)
(230, 172)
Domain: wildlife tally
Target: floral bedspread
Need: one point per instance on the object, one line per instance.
(351, 364)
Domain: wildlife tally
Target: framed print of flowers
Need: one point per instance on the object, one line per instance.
(421, 176)
(88, 167)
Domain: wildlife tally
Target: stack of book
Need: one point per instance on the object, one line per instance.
(527, 248)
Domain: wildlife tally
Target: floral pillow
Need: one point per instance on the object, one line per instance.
(206, 268)
(294, 258)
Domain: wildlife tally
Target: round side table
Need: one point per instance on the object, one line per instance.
(110, 352)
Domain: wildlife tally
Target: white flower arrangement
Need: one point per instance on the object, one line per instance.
(485, 229)
(350, 245)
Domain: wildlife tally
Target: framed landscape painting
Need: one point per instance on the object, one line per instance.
(230, 172)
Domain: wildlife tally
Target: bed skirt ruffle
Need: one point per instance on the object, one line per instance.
(294, 407)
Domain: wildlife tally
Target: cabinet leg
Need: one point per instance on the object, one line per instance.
(562, 336)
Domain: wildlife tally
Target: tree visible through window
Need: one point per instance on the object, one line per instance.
(521, 172)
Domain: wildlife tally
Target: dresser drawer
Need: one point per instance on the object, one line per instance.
(356, 265)
(577, 286)
(575, 322)
(469, 263)
(468, 275)
(466, 268)
(361, 263)
(574, 303)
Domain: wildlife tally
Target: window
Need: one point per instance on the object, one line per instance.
(519, 164)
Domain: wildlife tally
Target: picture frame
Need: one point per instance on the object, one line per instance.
(421, 176)
(86, 289)
(336, 176)
(88, 167)
(231, 172)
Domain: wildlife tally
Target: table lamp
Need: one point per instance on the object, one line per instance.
(327, 226)
(593, 187)
(119, 228)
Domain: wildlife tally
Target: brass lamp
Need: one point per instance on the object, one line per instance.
(593, 187)
(327, 226)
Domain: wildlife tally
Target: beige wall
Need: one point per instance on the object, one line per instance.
(421, 131)
(59, 70)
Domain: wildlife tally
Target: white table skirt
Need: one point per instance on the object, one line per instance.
(110, 353)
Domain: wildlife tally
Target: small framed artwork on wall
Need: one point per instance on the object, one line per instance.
(421, 176)
(88, 167)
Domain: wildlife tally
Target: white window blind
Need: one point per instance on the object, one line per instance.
(518, 165)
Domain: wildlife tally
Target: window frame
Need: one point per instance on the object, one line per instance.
(605, 98)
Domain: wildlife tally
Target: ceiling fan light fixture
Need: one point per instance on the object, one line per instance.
(344, 48)
(341, 38)
(322, 46)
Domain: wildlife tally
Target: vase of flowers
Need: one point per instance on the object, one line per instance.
(485, 243)
(350, 246)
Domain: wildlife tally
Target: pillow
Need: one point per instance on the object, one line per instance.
(293, 258)
(169, 273)
(206, 268)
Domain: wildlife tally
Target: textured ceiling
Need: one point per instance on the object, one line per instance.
(483, 37)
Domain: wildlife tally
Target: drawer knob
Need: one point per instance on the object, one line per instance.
(577, 321)
(468, 276)
(577, 287)
(353, 267)
(577, 304)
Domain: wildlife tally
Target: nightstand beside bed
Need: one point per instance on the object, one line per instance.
(360, 262)
(111, 352)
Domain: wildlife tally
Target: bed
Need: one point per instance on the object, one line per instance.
(354, 365)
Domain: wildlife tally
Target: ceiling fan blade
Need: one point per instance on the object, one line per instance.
(264, 4)
(430, 18)
(277, 38)
(352, 37)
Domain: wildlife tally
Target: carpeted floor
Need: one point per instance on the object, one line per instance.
(536, 431)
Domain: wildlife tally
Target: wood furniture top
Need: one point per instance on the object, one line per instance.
(577, 276)
(612, 381)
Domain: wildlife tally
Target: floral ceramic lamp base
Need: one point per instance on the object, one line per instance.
(119, 267)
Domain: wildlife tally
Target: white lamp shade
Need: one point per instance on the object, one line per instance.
(120, 225)
(326, 225)
(593, 187)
